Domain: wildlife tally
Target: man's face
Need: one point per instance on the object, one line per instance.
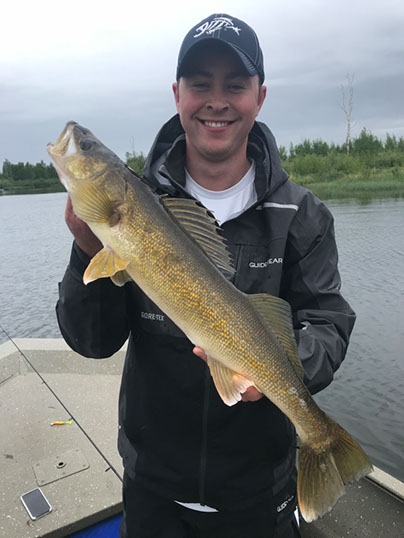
(217, 102)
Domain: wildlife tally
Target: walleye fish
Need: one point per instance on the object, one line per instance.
(173, 250)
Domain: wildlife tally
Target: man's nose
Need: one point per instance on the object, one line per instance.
(217, 100)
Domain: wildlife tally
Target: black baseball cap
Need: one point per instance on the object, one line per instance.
(231, 31)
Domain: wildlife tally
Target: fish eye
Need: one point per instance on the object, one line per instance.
(86, 144)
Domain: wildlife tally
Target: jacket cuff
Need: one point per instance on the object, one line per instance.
(78, 260)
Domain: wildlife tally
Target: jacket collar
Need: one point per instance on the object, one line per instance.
(165, 165)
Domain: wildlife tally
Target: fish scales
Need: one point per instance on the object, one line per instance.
(164, 265)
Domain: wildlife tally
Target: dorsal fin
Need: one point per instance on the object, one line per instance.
(278, 315)
(200, 224)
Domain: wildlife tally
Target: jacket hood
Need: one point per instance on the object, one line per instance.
(166, 159)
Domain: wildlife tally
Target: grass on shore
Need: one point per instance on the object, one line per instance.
(371, 184)
(363, 186)
(30, 187)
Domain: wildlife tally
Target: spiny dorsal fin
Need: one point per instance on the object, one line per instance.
(200, 224)
(278, 315)
(228, 383)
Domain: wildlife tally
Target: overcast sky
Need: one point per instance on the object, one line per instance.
(110, 66)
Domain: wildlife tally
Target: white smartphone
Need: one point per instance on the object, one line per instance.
(35, 503)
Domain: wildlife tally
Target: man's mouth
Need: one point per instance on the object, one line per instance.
(216, 124)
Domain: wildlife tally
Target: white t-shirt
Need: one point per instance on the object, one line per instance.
(227, 204)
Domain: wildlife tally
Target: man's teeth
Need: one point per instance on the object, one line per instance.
(216, 123)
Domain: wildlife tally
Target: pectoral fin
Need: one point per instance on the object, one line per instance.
(228, 383)
(104, 264)
(91, 204)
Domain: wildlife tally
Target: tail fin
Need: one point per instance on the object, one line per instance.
(322, 475)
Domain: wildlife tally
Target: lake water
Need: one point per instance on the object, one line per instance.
(367, 395)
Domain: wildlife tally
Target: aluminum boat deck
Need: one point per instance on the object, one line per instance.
(78, 467)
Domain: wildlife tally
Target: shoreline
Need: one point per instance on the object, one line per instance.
(327, 190)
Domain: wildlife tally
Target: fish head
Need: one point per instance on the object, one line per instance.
(79, 156)
(94, 176)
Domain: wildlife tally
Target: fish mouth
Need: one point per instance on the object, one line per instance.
(69, 154)
(64, 145)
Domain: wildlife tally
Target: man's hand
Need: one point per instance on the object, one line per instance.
(250, 395)
(85, 239)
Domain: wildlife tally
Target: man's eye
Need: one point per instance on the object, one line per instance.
(200, 85)
(236, 87)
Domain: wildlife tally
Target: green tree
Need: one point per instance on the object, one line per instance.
(390, 143)
(18, 171)
(283, 153)
(319, 147)
(366, 143)
(136, 161)
(29, 171)
(304, 148)
(7, 170)
(41, 170)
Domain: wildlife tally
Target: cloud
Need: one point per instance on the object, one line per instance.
(112, 69)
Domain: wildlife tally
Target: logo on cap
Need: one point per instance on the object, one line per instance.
(218, 23)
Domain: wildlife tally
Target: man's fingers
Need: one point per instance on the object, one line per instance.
(84, 237)
(251, 395)
(200, 353)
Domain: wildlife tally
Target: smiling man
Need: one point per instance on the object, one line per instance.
(195, 467)
(217, 101)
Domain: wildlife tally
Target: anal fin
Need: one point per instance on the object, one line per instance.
(229, 384)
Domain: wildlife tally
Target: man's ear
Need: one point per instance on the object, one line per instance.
(175, 87)
(261, 97)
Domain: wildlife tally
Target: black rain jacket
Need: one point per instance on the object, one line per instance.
(176, 435)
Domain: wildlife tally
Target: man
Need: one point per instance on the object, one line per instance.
(193, 466)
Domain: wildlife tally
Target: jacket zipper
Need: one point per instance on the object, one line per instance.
(204, 440)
